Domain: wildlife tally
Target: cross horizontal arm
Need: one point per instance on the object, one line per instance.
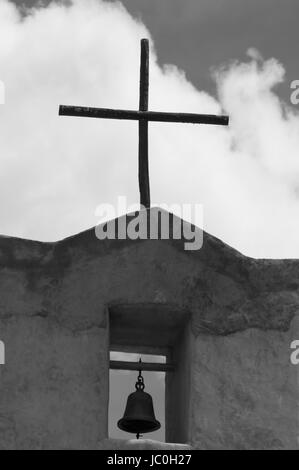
(145, 115)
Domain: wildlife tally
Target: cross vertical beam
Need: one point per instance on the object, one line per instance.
(143, 172)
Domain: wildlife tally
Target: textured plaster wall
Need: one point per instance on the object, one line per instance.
(245, 391)
(52, 388)
(53, 320)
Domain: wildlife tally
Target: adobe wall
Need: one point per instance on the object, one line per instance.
(245, 391)
(53, 320)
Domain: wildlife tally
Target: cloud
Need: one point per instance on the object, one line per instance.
(56, 170)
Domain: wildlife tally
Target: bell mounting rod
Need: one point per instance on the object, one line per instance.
(146, 366)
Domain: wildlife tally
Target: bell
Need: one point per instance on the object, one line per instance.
(139, 416)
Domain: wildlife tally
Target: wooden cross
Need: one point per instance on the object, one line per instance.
(143, 116)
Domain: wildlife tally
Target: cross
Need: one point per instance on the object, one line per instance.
(143, 116)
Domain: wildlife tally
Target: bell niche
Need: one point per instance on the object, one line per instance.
(161, 330)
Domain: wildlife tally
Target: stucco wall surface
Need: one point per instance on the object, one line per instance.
(53, 319)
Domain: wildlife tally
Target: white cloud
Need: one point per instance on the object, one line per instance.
(56, 170)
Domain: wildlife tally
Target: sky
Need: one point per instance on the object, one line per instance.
(213, 32)
(209, 57)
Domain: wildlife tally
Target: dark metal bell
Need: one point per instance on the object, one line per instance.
(139, 416)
